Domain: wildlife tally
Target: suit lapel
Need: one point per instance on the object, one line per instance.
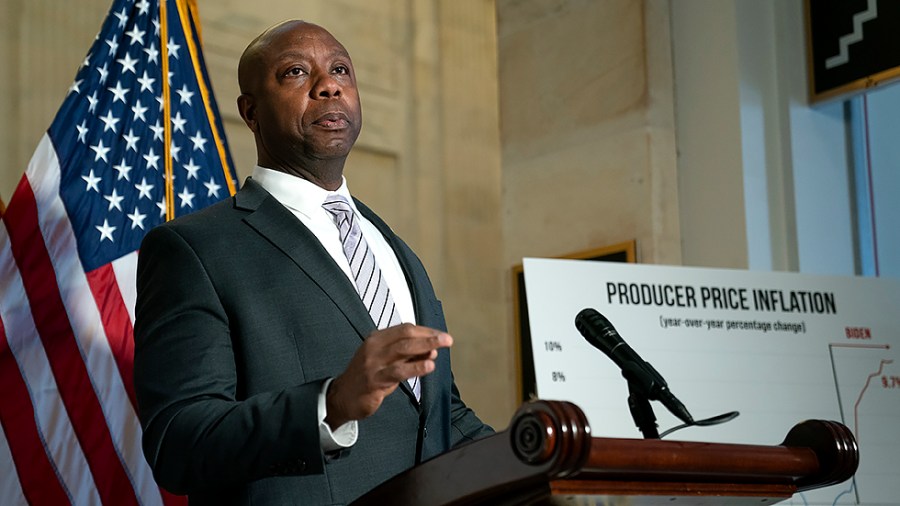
(276, 223)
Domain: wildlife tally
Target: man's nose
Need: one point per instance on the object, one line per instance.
(326, 87)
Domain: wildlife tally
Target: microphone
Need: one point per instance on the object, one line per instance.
(601, 334)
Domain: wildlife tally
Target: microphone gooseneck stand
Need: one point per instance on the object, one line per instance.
(642, 411)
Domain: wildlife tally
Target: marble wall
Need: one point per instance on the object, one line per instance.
(587, 127)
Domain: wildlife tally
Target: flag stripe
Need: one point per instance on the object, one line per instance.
(126, 276)
(52, 422)
(58, 338)
(9, 480)
(26, 449)
(116, 322)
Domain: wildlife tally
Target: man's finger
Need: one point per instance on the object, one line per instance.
(410, 331)
(430, 355)
(402, 371)
(419, 345)
(398, 343)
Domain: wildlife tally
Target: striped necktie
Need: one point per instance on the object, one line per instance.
(370, 284)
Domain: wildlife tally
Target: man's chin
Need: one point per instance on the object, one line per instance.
(334, 148)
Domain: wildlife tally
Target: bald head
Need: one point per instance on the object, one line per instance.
(253, 59)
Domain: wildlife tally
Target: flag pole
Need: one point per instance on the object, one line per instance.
(201, 84)
(167, 111)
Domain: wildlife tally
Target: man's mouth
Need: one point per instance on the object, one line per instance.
(332, 121)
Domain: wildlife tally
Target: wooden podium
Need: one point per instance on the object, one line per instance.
(547, 456)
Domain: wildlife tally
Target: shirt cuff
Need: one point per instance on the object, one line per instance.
(343, 437)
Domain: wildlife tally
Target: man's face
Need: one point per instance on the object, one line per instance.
(304, 96)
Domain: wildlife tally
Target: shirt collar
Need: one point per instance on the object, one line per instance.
(297, 193)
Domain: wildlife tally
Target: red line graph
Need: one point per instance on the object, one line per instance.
(881, 349)
(861, 393)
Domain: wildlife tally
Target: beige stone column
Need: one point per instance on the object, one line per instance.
(9, 94)
(43, 44)
(588, 136)
(475, 280)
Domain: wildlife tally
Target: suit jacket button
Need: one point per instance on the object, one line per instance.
(424, 432)
(301, 465)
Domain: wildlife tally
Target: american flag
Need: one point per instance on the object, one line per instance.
(140, 107)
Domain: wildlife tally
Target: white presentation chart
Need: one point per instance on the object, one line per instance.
(779, 348)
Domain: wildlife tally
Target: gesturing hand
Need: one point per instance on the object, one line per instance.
(385, 358)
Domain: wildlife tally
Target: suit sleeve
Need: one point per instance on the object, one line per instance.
(198, 432)
(465, 424)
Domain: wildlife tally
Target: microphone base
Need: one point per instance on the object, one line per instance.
(642, 411)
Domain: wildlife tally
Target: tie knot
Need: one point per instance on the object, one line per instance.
(337, 205)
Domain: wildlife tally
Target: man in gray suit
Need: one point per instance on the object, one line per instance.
(261, 375)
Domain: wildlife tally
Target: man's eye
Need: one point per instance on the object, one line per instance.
(341, 69)
(294, 71)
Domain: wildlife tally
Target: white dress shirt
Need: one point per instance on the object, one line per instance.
(304, 199)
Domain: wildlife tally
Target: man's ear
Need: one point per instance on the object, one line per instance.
(247, 109)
